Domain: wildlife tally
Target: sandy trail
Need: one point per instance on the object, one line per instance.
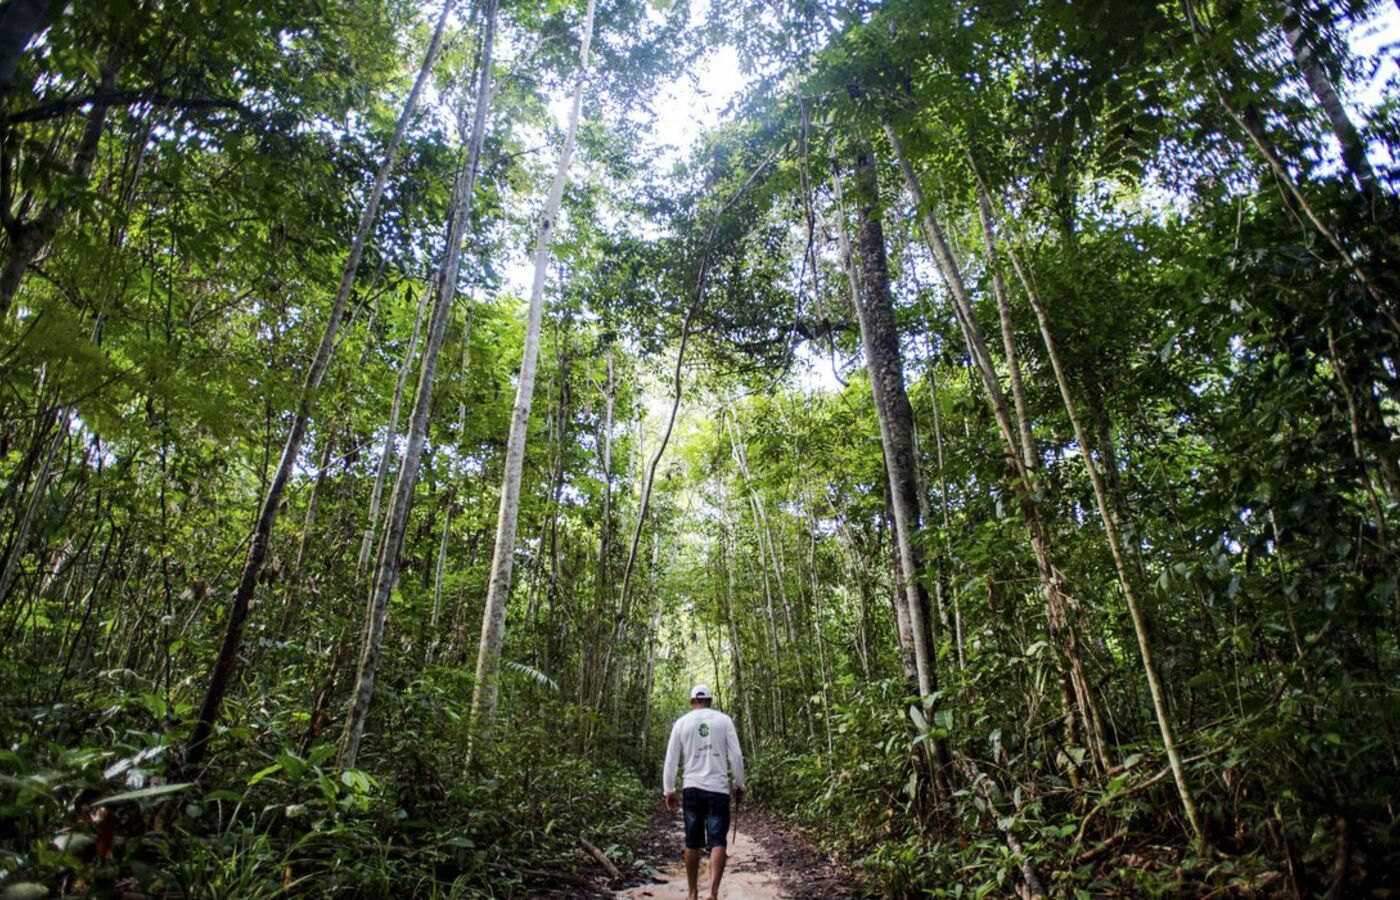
(749, 875)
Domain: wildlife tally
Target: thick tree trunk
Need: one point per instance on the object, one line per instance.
(493, 623)
(401, 500)
(880, 338)
(261, 540)
(903, 630)
(20, 21)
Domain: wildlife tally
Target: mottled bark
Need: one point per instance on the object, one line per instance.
(880, 339)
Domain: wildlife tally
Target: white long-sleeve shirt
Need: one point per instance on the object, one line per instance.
(706, 744)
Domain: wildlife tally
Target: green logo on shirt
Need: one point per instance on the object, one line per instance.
(704, 730)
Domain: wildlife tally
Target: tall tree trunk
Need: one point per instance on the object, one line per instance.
(290, 599)
(605, 440)
(903, 631)
(261, 539)
(1062, 628)
(19, 539)
(451, 510)
(945, 515)
(493, 623)
(391, 438)
(740, 697)
(1299, 31)
(880, 338)
(1115, 546)
(1029, 455)
(401, 500)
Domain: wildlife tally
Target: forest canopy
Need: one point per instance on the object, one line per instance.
(404, 402)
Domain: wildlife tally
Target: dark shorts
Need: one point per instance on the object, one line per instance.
(706, 819)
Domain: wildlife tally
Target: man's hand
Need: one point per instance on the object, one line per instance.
(672, 802)
(738, 794)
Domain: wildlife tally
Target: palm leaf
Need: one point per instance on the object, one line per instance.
(533, 674)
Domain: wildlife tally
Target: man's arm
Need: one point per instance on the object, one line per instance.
(673, 758)
(736, 757)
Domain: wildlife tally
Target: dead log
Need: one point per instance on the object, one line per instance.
(613, 873)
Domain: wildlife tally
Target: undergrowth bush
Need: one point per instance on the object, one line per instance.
(99, 815)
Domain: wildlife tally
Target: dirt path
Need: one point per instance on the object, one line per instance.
(766, 862)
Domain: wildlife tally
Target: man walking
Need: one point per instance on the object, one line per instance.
(705, 743)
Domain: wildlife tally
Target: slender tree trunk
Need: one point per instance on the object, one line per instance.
(1294, 16)
(28, 239)
(391, 438)
(493, 623)
(1029, 456)
(740, 697)
(401, 500)
(1062, 628)
(1120, 561)
(604, 584)
(261, 540)
(290, 599)
(1251, 123)
(450, 512)
(19, 540)
(943, 578)
(880, 337)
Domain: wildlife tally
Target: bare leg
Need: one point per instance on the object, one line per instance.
(692, 872)
(717, 859)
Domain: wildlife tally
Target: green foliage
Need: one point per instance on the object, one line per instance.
(1165, 181)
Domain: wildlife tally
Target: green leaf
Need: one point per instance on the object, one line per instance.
(263, 773)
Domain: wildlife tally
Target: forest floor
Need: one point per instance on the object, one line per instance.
(768, 860)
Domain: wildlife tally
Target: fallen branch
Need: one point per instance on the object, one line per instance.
(1094, 853)
(1034, 886)
(1141, 785)
(613, 873)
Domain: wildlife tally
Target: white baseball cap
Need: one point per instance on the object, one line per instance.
(701, 692)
